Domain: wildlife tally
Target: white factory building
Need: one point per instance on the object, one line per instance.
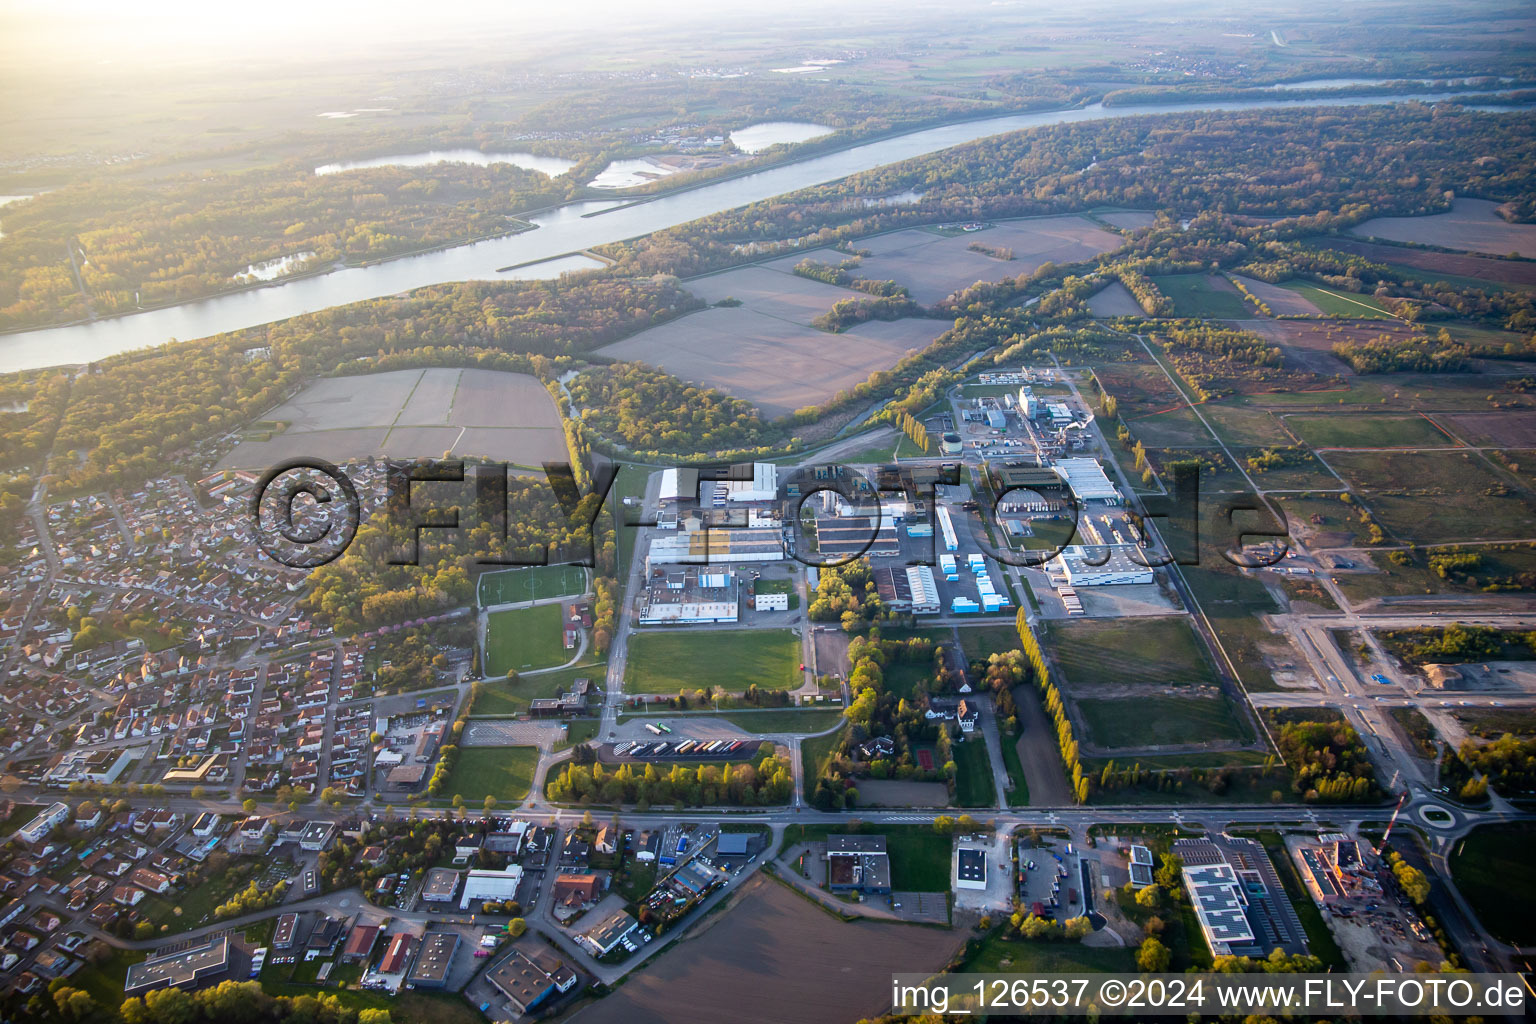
(680, 484)
(1087, 480)
(1113, 565)
(490, 885)
(678, 595)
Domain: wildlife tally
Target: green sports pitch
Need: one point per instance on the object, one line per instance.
(530, 583)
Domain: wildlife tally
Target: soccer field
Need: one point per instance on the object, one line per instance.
(525, 639)
(531, 583)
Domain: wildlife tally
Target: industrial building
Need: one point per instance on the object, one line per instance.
(696, 543)
(530, 976)
(970, 868)
(1107, 566)
(858, 864)
(1141, 867)
(440, 886)
(908, 589)
(675, 594)
(851, 537)
(771, 602)
(188, 967)
(755, 482)
(1087, 480)
(434, 960)
(481, 884)
(609, 932)
(947, 530)
(1243, 910)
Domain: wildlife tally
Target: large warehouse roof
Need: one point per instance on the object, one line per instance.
(1087, 480)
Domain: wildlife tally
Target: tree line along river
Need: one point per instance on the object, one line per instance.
(560, 232)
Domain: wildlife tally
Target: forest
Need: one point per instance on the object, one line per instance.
(1401, 159)
(149, 243)
(127, 417)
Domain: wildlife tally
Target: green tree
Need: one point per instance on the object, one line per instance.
(1152, 956)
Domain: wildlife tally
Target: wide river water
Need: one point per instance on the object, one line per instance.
(562, 231)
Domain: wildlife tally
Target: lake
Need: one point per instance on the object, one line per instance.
(553, 166)
(629, 173)
(560, 232)
(757, 137)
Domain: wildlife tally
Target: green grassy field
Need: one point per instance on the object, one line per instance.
(1492, 869)
(999, 955)
(525, 638)
(1367, 431)
(920, 859)
(672, 661)
(498, 697)
(1336, 303)
(973, 774)
(1154, 721)
(1199, 295)
(785, 720)
(1160, 651)
(503, 772)
(984, 641)
(531, 583)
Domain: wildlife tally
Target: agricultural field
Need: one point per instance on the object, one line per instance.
(1471, 225)
(531, 583)
(1127, 220)
(521, 639)
(1428, 265)
(777, 365)
(1437, 497)
(740, 959)
(505, 773)
(1176, 427)
(665, 662)
(1162, 651)
(1207, 296)
(1113, 300)
(775, 290)
(1157, 721)
(1281, 299)
(1491, 867)
(1496, 429)
(933, 266)
(1336, 430)
(412, 414)
(1333, 302)
(1241, 424)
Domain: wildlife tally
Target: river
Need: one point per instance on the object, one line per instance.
(566, 230)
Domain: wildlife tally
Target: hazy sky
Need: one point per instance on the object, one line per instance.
(181, 30)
